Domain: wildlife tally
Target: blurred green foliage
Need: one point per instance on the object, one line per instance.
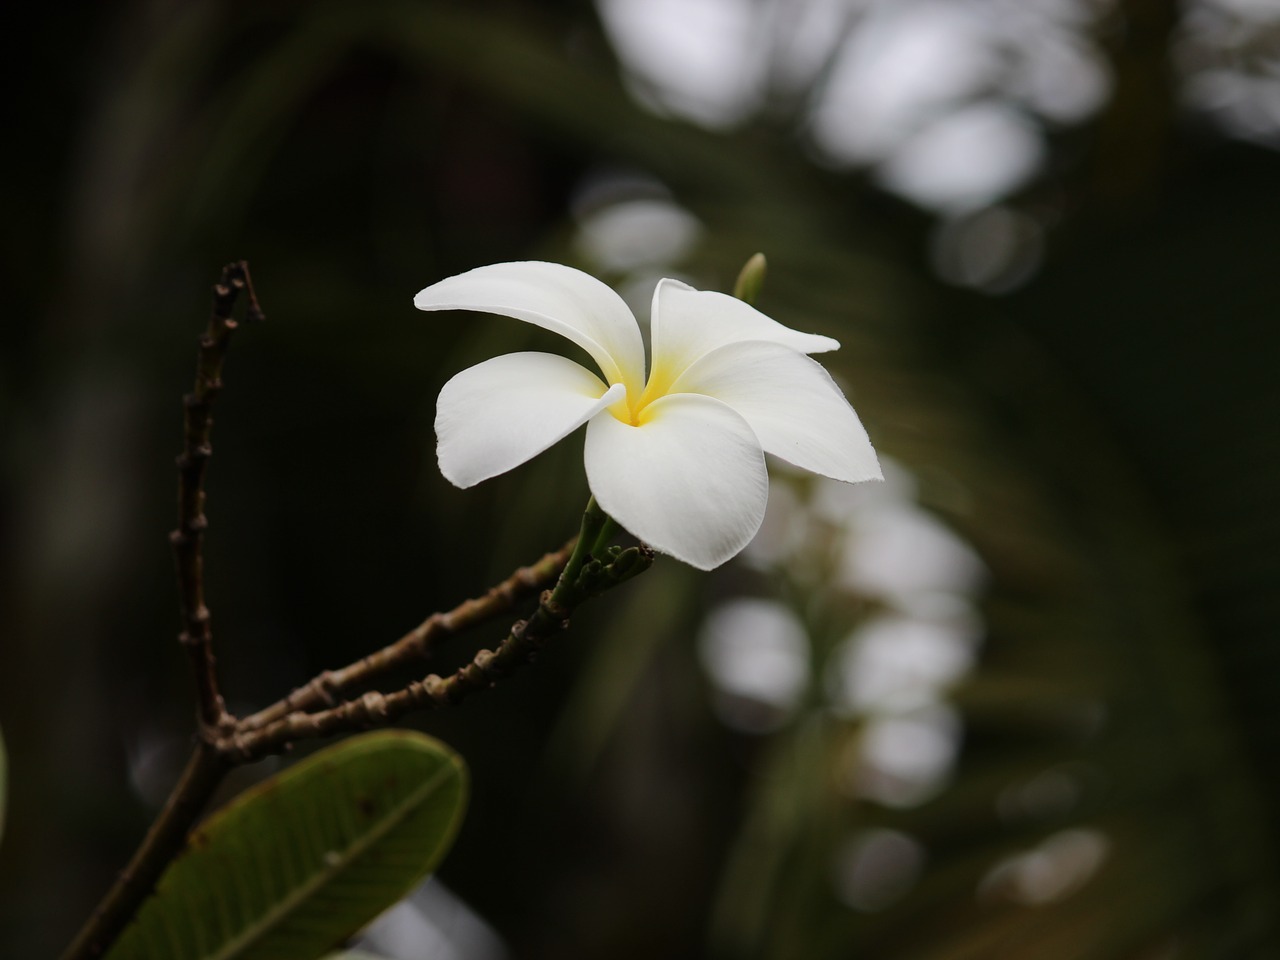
(1104, 436)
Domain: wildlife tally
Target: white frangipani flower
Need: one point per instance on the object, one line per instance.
(676, 458)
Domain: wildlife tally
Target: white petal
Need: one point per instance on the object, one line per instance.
(500, 413)
(554, 297)
(687, 324)
(690, 481)
(795, 408)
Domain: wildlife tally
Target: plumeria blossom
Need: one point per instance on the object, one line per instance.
(677, 457)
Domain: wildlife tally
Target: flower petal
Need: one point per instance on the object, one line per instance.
(554, 297)
(689, 481)
(687, 324)
(500, 413)
(795, 408)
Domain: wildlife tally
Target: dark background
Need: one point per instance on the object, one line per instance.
(1074, 366)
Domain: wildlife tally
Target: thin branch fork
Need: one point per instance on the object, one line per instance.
(325, 689)
(585, 569)
(244, 744)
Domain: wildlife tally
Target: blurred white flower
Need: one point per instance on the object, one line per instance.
(757, 653)
(906, 758)
(637, 233)
(894, 663)
(904, 554)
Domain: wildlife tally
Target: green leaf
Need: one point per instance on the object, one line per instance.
(292, 867)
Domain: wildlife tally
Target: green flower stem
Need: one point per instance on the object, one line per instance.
(597, 528)
(607, 533)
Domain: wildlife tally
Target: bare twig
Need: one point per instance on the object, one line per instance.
(324, 689)
(188, 538)
(373, 709)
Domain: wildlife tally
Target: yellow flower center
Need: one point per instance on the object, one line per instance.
(633, 410)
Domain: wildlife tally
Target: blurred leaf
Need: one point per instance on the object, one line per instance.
(295, 865)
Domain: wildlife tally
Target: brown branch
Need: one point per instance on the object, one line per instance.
(523, 641)
(188, 538)
(325, 689)
(203, 773)
(374, 709)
